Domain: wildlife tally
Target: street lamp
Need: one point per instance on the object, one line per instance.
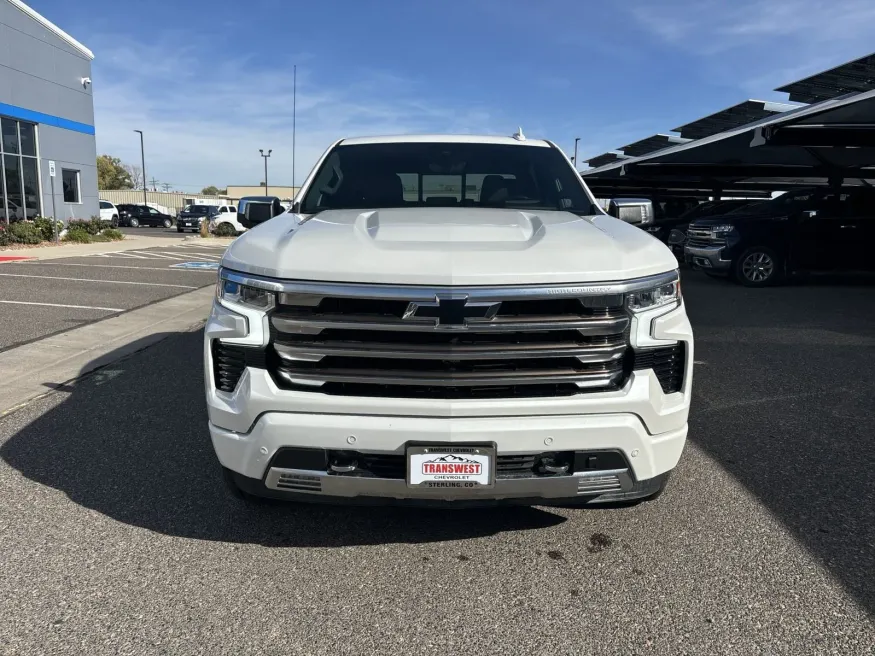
(265, 168)
(143, 160)
(576, 139)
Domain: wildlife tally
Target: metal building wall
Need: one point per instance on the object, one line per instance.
(41, 82)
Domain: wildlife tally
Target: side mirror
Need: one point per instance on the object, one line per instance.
(256, 213)
(637, 211)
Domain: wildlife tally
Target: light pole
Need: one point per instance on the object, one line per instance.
(294, 111)
(265, 168)
(143, 160)
(576, 139)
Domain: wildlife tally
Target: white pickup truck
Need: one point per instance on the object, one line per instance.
(447, 320)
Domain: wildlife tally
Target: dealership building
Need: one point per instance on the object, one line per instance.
(46, 116)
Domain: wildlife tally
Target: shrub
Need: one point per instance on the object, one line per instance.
(205, 228)
(99, 224)
(46, 227)
(78, 234)
(113, 234)
(85, 225)
(5, 237)
(25, 232)
(225, 230)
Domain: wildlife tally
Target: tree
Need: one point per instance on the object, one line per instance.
(135, 173)
(212, 190)
(112, 174)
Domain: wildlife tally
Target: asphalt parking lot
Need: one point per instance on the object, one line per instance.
(118, 537)
(152, 232)
(42, 297)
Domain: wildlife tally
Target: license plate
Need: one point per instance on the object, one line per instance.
(450, 466)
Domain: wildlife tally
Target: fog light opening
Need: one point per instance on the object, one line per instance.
(552, 465)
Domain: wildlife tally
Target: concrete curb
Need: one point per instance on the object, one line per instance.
(36, 369)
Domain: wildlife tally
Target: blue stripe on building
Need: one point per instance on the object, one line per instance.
(23, 114)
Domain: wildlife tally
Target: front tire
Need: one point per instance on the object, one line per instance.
(134, 223)
(758, 266)
(114, 221)
(168, 223)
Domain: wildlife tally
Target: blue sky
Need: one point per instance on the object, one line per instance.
(211, 82)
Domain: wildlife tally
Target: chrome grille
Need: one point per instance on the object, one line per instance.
(448, 344)
(702, 238)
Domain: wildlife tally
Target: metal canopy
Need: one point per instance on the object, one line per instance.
(772, 148)
(605, 158)
(652, 144)
(854, 77)
(732, 117)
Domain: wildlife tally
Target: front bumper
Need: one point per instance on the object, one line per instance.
(708, 258)
(249, 425)
(354, 491)
(250, 455)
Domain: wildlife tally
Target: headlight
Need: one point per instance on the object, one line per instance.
(234, 292)
(667, 294)
(722, 230)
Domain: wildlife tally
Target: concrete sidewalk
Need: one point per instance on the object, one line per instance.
(35, 369)
(130, 243)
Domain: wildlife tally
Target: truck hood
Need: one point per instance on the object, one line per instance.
(448, 246)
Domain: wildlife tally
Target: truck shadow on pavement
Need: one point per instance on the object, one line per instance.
(131, 441)
(783, 400)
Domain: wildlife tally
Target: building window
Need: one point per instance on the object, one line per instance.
(71, 185)
(20, 196)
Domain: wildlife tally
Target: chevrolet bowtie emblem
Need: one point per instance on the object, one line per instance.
(451, 312)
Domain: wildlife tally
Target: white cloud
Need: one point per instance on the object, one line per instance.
(756, 46)
(205, 116)
(714, 26)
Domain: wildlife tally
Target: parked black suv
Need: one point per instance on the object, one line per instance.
(191, 216)
(142, 215)
(663, 229)
(811, 229)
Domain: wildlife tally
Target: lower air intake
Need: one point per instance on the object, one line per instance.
(599, 484)
(298, 483)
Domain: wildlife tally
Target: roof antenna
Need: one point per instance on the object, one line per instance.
(519, 136)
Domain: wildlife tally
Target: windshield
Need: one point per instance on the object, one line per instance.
(200, 209)
(369, 176)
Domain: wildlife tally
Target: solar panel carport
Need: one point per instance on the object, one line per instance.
(832, 141)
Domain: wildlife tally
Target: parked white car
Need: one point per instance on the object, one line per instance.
(108, 212)
(448, 319)
(227, 214)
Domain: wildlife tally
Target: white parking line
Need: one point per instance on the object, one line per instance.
(113, 266)
(122, 254)
(111, 282)
(164, 256)
(208, 255)
(202, 245)
(61, 305)
(151, 255)
(189, 258)
(129, 254)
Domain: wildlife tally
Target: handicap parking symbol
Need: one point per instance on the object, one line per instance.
(212, 266)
